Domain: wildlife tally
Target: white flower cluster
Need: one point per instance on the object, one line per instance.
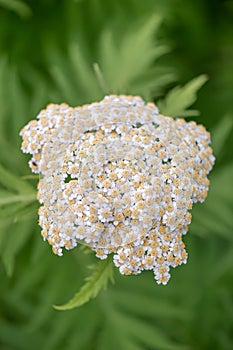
(120, 178)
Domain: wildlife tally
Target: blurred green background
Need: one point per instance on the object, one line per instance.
(47, 52)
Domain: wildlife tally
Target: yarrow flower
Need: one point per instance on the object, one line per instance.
(119, 177)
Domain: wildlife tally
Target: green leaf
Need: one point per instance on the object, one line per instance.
(153, 82)
(15, 212)
(140, 331)
(67, 90)
(17, 237)
(215, 214)
(100, 79)
(123, 62)
(180, 98)
(17, 6)
(14, 183)
(94, 284)
(76, 80)
(84, 73)
(9, 199)
(221, 133)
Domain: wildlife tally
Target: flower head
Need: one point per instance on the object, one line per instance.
(119, 177)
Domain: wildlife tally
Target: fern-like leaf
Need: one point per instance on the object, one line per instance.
(124, 62)
(103, 272)
(180, 98)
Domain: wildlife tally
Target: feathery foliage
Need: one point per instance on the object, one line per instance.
(103, 271)
(47, 54)
(180, 98)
